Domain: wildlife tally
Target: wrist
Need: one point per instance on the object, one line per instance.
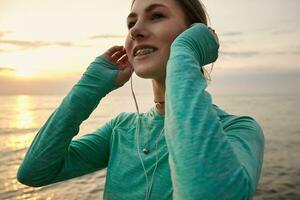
(102, 74)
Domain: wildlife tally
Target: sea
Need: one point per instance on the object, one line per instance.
(21, 117)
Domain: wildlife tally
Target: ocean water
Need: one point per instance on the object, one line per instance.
(22, 116)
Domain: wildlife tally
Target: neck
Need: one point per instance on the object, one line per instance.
(159, 94)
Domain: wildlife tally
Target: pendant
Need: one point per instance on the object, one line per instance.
(146, 150)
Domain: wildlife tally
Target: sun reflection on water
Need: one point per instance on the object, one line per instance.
(24, 118)
(23, 122)
(20, 141)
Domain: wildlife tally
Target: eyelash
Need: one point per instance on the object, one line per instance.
(130, 24)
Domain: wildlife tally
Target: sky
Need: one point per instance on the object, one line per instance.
(45, 45)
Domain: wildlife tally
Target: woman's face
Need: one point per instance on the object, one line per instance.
(154, 24)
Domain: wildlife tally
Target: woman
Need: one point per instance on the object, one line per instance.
(183, 148)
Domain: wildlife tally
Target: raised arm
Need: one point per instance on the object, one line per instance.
(53, 156)
(207, 160)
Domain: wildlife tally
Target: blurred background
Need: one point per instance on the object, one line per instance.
(46, 45)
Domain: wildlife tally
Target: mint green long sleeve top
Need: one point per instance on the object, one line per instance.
(204, 152)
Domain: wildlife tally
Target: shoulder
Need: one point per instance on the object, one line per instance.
(124, 120)
(239, 124)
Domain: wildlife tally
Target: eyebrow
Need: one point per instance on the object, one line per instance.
(147, 9)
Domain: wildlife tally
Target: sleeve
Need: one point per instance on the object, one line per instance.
(53, 156)
(207, 160)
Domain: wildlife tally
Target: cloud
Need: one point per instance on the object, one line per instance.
(106, 36)
(285, 31)
(249, 81)
(240, 54)
(245, 54)
(2, 33)
(232, 34)
(279, 32)
(24, 45)
(6, 69)
(295, 52)
(4, 50)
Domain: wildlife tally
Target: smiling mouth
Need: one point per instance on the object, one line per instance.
(144, 53)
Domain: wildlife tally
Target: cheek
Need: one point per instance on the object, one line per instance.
(175, 35)
(128, 46)
(170, 36)
(168, 40)
(176, 31)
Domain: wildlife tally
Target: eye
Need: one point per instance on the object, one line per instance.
(153, 16)
(156, 15)
(130, 24)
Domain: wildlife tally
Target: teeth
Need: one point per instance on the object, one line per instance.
(141, 52)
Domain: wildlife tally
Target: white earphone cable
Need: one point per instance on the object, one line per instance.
(138, 145)
(148, 189)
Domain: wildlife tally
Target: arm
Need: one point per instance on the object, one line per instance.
(53, 156)
(206, 160)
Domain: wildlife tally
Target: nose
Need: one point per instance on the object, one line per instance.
(138, 31)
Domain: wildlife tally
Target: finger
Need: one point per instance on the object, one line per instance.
(124, 64)
(117, 55)
(123, 59)
(113, 49)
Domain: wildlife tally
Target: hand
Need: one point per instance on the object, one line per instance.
(117, 56)
(200, 42)
(213, 33)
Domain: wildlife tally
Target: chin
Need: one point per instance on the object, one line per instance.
(155, 73)
(151, 70)
(143, 73)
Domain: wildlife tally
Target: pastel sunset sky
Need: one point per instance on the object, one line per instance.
(45, 45)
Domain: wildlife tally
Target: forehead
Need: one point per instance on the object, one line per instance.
(140, 6)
